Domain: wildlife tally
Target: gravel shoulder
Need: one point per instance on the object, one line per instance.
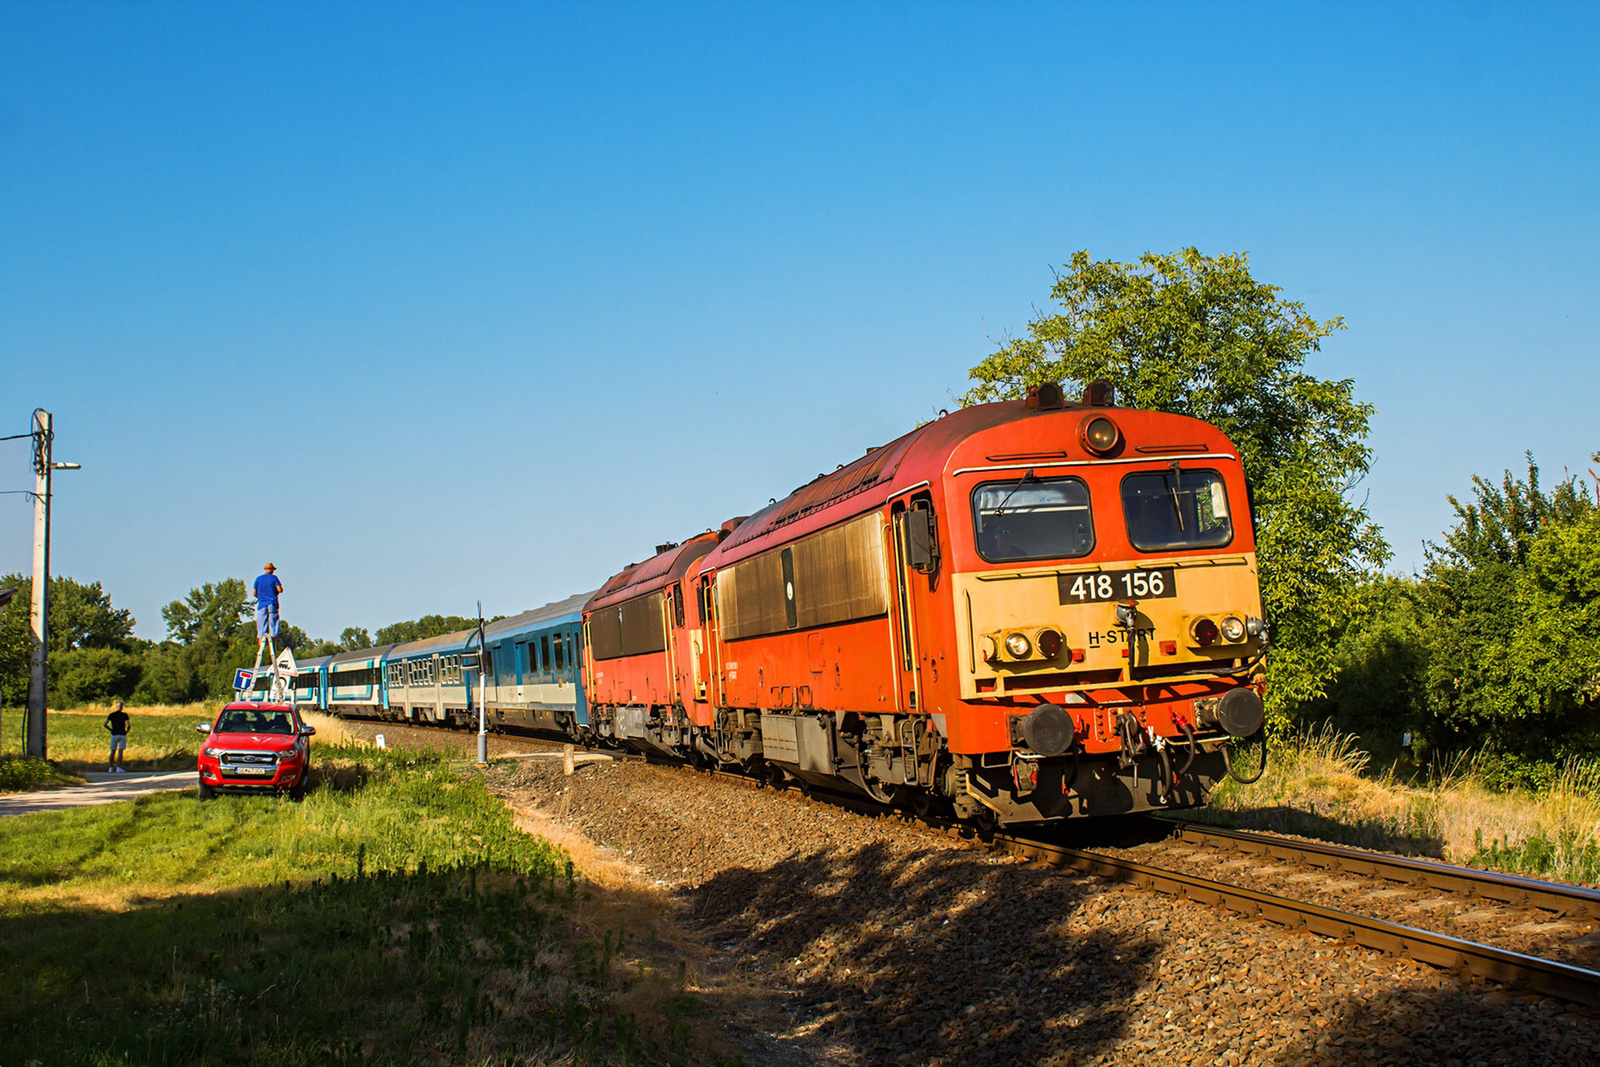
(873, 941)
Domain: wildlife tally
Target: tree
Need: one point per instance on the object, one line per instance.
(82, 617)
(423, 628)
(1199, 336)
(93, 676)
(354, 637)
(1513, 596)
(219, 611)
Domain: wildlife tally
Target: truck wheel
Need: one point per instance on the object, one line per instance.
(206, 792)
(297, 792)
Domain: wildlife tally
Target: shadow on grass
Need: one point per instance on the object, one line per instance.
(1361, 833)
(396, 967)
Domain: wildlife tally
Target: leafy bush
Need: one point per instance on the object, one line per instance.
(18, 773)
(93, 675)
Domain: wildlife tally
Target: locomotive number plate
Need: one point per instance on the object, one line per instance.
(1092, 587)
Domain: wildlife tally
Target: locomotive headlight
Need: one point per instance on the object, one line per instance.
(1100, 435)
(1018, 645)
(1233, 628)
(989, 648)
(1205, 632)
(1050, 643)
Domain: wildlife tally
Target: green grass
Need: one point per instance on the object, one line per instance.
(396, 916)
(158, 739)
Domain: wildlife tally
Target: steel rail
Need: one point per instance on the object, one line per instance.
(1546, 977)
(1489, 885)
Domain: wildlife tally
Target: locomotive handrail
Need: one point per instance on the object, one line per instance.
(1514, 889)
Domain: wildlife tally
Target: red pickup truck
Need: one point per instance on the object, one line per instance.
(255, 748)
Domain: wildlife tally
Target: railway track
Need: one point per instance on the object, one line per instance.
(1518, 971)
(1549, 978)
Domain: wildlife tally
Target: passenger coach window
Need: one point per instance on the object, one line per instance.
(544, 652)
(1033, 518)
(1176, 508)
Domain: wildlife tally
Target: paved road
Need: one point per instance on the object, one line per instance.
(103, 788)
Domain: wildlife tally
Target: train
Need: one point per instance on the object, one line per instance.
(1020, 612)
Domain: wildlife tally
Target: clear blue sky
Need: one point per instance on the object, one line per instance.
(428, 303)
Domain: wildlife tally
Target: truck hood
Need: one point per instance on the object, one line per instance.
(253, 742)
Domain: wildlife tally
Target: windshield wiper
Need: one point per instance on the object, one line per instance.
(1024, 480)
(1173, 490)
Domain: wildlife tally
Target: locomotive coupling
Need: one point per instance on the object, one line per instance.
(1047, 730)
(1238, 712)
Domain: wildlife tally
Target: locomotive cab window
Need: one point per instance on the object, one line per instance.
(1176, 509)
(1033, 518)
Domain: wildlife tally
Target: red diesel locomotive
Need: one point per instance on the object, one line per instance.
(1026, 610)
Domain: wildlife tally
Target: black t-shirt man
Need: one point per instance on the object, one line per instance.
(117, 721)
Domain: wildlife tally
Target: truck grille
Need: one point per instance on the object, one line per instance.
(248, 759)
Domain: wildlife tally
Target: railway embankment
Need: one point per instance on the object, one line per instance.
(876, 941)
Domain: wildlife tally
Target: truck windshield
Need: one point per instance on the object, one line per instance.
(1033, 518)
(1176, 508)
(255, 721)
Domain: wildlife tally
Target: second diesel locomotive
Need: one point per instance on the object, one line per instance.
(1028, 610)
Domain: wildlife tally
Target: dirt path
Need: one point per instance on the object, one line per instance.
(103, 788)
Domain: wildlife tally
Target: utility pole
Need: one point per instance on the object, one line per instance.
(43, 465)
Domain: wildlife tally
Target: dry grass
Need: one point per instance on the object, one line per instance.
(1320, 784)
(331, 731)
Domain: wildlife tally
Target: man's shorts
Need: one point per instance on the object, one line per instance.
(266, 620)
(119, 743)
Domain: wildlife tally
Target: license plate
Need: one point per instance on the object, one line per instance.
(1093, 587)
(248, 770)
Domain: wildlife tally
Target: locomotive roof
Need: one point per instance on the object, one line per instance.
(919, 456)
(869, 478)
(313, 663)
(654, 573)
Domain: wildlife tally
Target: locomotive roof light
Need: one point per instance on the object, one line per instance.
(1046, 397)
(1205, 632)
(1018, 645)
(1050, 643)
(1100, 435)
(1233, 629)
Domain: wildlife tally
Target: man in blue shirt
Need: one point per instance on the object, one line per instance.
(268, 589)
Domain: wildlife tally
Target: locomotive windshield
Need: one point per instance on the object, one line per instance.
(1033, 518)
(1176, 508)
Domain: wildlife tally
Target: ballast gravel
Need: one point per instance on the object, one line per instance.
(874, 941)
